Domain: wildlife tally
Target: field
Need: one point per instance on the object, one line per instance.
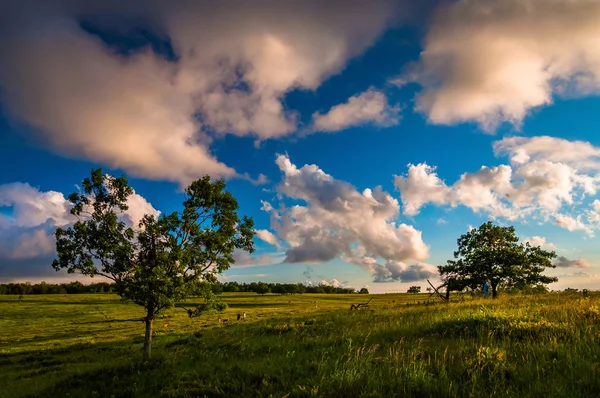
(304, 345)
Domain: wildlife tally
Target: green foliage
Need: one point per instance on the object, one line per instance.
(212, 303)
(493, 253)
(162, 260)
(414, 289)
(364, 290)
(262, 288)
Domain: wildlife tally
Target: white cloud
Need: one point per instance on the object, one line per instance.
(540, 241)
(572, 223)
(335, 219)
(491, 61)
(442, 221)
(332, 282)
(395, 271)
(268, 237)
(545, 178)
(156, 118)
(420, 186)
(245, 259)
(369, 107)
(564, 262)
(580, 155)
(27, 243)
(31, 208)
(138, 208)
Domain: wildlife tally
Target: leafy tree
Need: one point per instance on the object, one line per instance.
(493, 253)
(414, 289)
(364, 290)
(262, 288)
(301, 288)
(162, 260)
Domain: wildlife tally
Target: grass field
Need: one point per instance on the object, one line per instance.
(526, 346)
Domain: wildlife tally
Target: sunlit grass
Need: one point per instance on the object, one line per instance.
(309, 345)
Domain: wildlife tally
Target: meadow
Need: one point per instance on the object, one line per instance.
(304, 345)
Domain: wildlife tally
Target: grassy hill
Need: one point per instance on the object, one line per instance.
(304, 345)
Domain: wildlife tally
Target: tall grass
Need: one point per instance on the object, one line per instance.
(531, 346)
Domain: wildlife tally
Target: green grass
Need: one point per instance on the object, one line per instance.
(527, 346)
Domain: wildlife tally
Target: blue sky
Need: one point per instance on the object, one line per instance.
(324, 109)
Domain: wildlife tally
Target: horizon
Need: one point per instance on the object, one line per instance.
(362, 139)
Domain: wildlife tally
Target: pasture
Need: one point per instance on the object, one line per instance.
(304, 345)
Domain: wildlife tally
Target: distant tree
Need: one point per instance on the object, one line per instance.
(364, 290)
(262, 288)
(163, 260)
(414, 289)
(301, 288)
(493, 253)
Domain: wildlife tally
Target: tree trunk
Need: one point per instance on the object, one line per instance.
(447, 294)
(494, 290)
(148, 339)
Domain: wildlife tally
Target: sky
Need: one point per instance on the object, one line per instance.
(362, 137)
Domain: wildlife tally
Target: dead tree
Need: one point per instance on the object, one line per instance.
(436, 290)
(357, 306)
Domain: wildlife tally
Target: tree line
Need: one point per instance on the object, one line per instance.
(216, 288)
(59, 288)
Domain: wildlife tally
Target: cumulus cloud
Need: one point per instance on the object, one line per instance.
(564, 262)
(541, 181)
(369, 107)
(267, 236)
(336, 220)
(397, 271)
(155, 114)
(579, 155)
(491, 61)
(332, 282)
(27, 243)
(540, 241)
(31, 208)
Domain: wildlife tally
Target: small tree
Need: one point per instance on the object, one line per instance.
(162, 260)
(493, 253)
(414, 289)
(364, 290)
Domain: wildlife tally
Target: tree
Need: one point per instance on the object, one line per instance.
(364, 290)
(162, 260)
(493, 253)
(262, 288)
(414, 289)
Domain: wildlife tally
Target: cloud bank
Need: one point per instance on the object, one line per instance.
(205, 69)
(548, 178)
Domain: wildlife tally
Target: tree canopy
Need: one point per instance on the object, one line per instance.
(494, 254)
(162, 260)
